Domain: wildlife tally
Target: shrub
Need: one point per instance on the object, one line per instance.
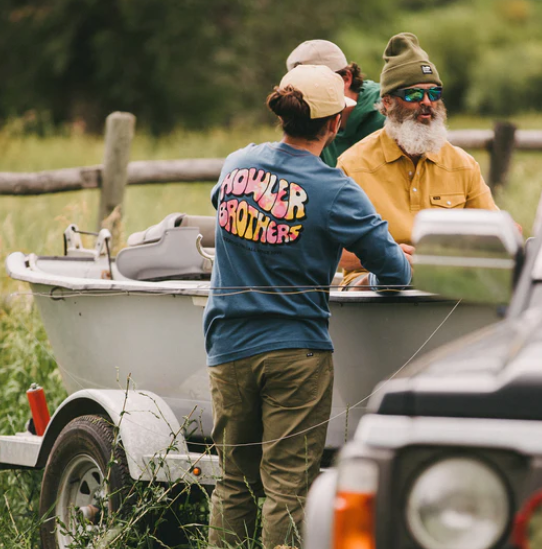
(506, 80)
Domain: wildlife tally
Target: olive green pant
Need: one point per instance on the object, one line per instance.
(270, 422)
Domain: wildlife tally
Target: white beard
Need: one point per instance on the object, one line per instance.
(416, 138)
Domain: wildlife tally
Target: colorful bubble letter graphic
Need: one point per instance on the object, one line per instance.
(274, 204)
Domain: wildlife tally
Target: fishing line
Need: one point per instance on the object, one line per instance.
(233, 291)
(377, 390)
(188, 292)
(77, 379)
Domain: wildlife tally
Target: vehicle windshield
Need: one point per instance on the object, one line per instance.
(485, 352)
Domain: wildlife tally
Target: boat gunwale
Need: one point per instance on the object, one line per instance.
(18, 267)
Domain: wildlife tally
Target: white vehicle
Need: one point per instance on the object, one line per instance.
(448, 455)
(139, 317)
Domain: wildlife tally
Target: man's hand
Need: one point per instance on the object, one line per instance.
(409, 251)
(362, 283)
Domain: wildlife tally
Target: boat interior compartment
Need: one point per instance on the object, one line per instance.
(206, 226)
(179, 247)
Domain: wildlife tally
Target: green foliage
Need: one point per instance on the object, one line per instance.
(25, 357)
(506, 79)
(453, 40)
(174, 514)
(483, 50)
(153, 515)
(199, 64)
(19, 524)
(173, 62)
(425, 4)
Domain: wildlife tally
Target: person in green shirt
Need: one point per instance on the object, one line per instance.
(357, 122)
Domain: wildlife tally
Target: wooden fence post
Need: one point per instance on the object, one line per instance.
(119, 131)
(500, 150)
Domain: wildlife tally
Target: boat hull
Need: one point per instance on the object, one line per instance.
(102, 339)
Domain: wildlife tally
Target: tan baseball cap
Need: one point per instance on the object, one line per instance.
(317, 52)
(322, 89)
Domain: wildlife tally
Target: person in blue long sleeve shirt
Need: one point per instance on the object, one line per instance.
(283, 219)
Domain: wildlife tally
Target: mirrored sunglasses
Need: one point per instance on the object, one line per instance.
(415, 95)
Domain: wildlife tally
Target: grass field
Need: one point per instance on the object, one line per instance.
(35, 224)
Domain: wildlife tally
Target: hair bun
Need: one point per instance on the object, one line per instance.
(291, 91)
(287, 101)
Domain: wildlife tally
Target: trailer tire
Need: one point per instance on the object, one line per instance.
(84, 454)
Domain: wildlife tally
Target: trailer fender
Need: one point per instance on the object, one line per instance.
(147, 427)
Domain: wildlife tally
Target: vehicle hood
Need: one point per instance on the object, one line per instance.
(493, 373)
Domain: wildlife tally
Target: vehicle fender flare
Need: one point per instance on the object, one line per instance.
(147, 426)
(319, 519)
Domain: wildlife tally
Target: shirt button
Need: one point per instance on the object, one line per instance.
(410, 173)
(414, 189)
(449, 203)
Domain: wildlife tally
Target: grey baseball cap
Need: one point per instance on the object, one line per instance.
(317, 52)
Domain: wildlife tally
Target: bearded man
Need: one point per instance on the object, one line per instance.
(409, 165)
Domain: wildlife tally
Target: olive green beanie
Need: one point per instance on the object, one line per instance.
(406, 64)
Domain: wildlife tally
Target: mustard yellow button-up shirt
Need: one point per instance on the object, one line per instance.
(398, 189)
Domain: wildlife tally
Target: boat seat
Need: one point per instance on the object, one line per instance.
(168, 250)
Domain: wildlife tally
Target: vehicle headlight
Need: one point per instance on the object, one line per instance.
(458, 502)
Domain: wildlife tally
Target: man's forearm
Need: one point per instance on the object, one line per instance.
(349, 261)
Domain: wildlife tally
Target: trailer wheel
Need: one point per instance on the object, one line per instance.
(86, 475)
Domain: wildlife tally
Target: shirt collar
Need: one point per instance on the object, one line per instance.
(434, 157)
(293, 151)
(392, 151)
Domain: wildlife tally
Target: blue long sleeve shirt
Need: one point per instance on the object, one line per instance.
(283, 219)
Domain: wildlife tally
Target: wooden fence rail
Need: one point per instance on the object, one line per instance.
(90, 177)
(525, 140)
(204, 169)
(117, 171)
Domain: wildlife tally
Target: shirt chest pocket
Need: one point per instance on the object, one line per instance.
(451, 200)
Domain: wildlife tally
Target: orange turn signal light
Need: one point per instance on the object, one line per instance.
(354, 521)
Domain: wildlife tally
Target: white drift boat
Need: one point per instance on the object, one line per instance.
(105, 326)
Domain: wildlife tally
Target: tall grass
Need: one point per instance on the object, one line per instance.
(25, 357)
(35, 224)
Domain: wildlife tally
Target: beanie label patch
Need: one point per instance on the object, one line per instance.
(426, 69)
